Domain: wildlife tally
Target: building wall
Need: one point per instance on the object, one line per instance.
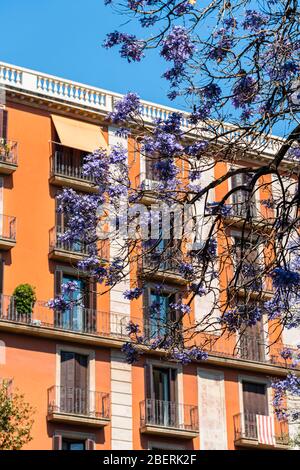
(32, 361)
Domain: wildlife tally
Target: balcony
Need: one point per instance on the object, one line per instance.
(7, 232)
(8, 156)
(148, 186)
(240, 214)
(246, 434)
(78, 406)
(66, 170)
(169, 419)
(162, 265)
(62, 250)
(78, 320)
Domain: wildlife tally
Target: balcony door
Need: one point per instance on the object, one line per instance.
(73, 383)
(73, 317)
(240, 198)
(255, 402)
(159, 313)
(162, 406)
(252, 345)
(248, 260)
(81, 313)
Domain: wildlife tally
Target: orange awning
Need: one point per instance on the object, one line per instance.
(79, 135)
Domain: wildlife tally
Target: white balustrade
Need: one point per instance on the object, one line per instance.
(103, 100)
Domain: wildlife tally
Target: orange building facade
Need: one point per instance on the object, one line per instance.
(72, 371)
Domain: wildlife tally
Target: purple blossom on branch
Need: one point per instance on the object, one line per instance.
(131, 48)
(125, 108)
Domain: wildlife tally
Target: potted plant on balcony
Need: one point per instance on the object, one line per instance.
(24, 300)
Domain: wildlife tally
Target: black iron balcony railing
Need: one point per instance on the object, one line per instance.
(66, 165)
(8, 227)
(8, 151)
(245, 427)
(167, 414)
(73, 319)
(78, 401)
(167, 260)
(243, 209)
(57, 242)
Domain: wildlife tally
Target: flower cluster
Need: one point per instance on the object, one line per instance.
(284, 278)
(131, 352)
(241, 316)
(254, 21)
(180, 308)
(131, 48)
(133, 293)
(187, 270)
(59, 304)
(216, 208)
(125, 108)
(185, 356)
(177, 46)
(244, 92)
(283, 387)
(223, 45)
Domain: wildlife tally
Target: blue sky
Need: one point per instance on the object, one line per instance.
(64, 37)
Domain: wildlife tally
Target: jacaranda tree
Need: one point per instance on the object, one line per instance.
(234, 66)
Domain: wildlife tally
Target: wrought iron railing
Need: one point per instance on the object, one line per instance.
(169, 414)
(65, 164)
(75, 318)
(78, 401)
(245, 427)
(57, 242)
(167, 260)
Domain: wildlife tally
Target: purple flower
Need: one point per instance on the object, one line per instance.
(132, 328)
(58, 304)
(244, 92)
(187, 270)
(149, 20)
(131, 47)
(133, 293)
(181, 308)
(177, 46)
(219, 50)
(196, 149)
(186, 356)
(118, 154)
(131, 353)
(284, 278)
(125, 108)
(286, 353)
(254, 21)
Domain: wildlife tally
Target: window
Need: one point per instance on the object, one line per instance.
(73, 441)
(240, 198)
(74, 394)
(3, 123)
(69, 444)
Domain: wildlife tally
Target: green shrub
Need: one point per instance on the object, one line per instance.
(25, 298)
